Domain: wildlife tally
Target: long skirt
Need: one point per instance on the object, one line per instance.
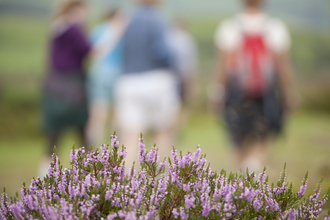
(64, 102)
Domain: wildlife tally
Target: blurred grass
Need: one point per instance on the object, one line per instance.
(23, 44)
(304, 146)
(301, 147)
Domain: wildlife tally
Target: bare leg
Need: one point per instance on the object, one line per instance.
(53, 141)
(164, 140)
(95, 129)
(253, 155)
(46, 160)
(130, 140)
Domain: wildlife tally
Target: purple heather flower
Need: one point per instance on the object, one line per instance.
(150, 215)
(139, 199)
(121, 214)
(122, 173)
(292, 215)
(197, 154)
(131, 216)
(186, 187)
(123, 153)
(206, 210)
(183, 214)
(302, 189)
(142, 151)
(316, 195)
(175, 213)
(95, 198)
(4, 205)
(257, 204)
(201, 162)
(182, 163)
(162, 165)
(95, 180)
(131, 172)
(114, 142)
(111, 216)
(174, 155)
(17, 211)
(189, 200)
(152, 155)
(162, 186)
(262, 177)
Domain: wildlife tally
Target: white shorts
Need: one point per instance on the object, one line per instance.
(147, 101)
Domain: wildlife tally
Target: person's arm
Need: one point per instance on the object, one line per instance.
(108, 40)
(287, 81)
(226, 40)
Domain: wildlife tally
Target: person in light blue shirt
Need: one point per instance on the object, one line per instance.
(105, 68)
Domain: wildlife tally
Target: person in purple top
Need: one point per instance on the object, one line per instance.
(64, 103)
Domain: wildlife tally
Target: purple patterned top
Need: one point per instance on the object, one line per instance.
(68, 50)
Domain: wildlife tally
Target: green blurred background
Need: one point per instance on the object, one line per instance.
(304, 146)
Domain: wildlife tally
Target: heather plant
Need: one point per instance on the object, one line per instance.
(184, 187)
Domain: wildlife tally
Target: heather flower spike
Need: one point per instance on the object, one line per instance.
(97, 186)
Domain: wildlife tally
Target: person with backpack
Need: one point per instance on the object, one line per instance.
(254, 83)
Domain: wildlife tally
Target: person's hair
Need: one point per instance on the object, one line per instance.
(253, 3)
(67, 6)
(149, 2)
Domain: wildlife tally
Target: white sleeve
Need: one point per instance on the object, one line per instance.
(280, 39)
(227, 37)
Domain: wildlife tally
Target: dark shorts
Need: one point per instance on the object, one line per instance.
(64, 102)
(252, 117)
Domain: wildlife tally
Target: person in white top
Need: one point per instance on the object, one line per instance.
(253, 84)
(106, 40)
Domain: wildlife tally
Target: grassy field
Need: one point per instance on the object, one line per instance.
(304, 146)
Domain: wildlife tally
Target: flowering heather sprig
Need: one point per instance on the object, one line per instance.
(97, 187)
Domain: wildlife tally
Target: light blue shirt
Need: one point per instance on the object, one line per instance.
(112, 60)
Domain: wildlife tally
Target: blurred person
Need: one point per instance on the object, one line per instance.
(105, 69)
(254, 82)
(146, 96)
(185, 52)
(65, 102)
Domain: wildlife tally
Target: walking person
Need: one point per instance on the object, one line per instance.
(254, 83)
(147, 97)
(64, 101)
(105, 69)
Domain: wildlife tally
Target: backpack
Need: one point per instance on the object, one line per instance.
(253, 64)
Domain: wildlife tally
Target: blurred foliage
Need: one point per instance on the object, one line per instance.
(23, 45)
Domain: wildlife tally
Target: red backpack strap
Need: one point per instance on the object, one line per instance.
(252, 61)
